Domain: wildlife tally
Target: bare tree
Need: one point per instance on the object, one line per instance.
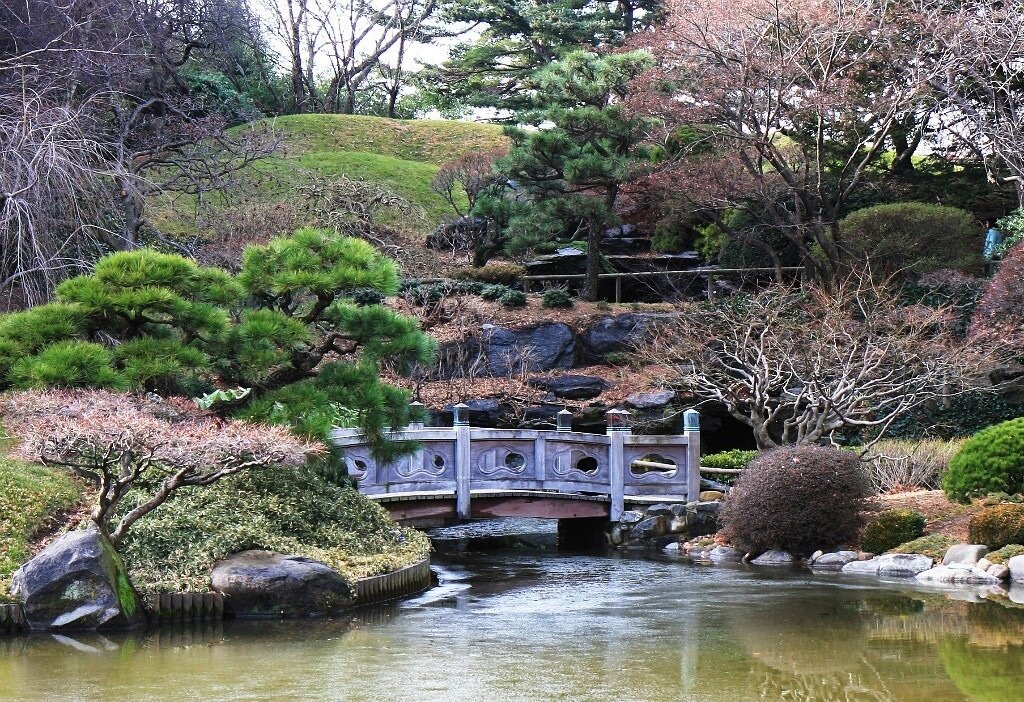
(983, 89)
(798, 366)
(121, 443)
(796, 100)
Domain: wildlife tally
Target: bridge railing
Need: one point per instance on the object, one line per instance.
(462, 458)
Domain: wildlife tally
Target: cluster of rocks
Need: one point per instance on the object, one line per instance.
(962, 564)
(660, 523)
(79, 583)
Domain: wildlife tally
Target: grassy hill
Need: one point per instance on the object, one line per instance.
(402, 154)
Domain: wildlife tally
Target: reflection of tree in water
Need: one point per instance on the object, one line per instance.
(985, 674)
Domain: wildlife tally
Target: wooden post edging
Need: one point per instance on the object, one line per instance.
(185, 606)
(391, 586)
(12, 619)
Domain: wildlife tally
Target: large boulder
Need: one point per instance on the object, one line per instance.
(775, 557)
(655, 399)
(903, 565)
(957, 574)
(609, 334)
(964, 554)
(834, 560)
(267, 584)
(77, 583)
(571, 387)
(535, 349)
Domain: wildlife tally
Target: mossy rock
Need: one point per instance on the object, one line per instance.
(934, 546)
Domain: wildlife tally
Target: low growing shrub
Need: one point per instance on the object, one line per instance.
(934, 546)
(734, 458)
(67, 364)
(1003, 555)
(513, 298)
(556, 298)
(892, 528)
(990, 461)
(365, 297)
(495, 273)
(997, 526)
(798, 499)
(494, 292)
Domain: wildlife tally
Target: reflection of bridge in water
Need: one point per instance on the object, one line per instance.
(464, 472)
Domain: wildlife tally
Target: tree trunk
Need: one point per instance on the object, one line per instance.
(591, 282)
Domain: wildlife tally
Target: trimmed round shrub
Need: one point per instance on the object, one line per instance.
(798, 499)
(997, 526)
(913, 236)
(556, 298)
(513, 298)
(892, 528)
(494, 273)
(991, 461)
(68, 364)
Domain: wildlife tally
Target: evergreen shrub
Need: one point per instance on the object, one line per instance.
(913, 236)
(733, 458)
(1003, 555)
(513, 298)
(997, 526)
(556, 298)
(494, 292)
(892, 528)
(934, 546)
(798, 498)
(66, 364)
(990, 461)
(494, 273)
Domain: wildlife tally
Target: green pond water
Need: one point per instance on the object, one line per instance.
(525, 626)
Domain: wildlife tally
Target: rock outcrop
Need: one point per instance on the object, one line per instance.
(77, 583)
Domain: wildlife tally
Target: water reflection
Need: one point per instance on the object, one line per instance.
(528, 627)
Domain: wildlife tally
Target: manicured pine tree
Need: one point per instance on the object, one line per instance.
(584, 145)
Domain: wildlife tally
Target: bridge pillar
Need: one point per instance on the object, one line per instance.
(463, 464)
(618, 430)
(584, 534)
(691, 429)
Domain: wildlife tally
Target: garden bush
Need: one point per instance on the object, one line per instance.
(494, 292)
(990, 461)
(999, 316)
(890, 529)
(798, 499)
(367, 296)
(1003, 555)
(494, 273)
(556, 298)
(513, 298)
(997, 526)
(734, 458)
(934, 546)
(914, 237)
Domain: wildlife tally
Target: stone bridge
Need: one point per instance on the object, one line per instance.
(464, 472)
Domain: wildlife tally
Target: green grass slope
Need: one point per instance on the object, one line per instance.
(402, 154)
(30, 497)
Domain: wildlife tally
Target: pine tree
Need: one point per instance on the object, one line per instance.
(584, 146)
(520, 37)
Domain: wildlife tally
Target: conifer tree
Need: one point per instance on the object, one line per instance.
(583, 147)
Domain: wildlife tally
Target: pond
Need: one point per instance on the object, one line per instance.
(531, 626)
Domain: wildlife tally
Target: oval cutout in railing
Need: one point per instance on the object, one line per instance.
(587, 464)
(653, 463)
(515, 461)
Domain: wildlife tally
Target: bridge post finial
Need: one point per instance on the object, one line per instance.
(691, 430)
(417, 410)
(564, 418)
(460, 415)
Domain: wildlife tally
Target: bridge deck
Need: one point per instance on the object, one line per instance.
(428, 508)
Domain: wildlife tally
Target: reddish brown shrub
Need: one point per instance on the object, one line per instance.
(999, 316)
(797, 498)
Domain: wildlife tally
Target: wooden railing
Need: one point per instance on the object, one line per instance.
(460, 459)
(711, 273)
